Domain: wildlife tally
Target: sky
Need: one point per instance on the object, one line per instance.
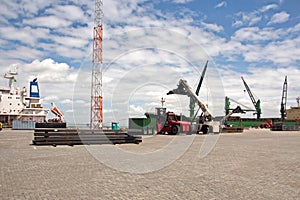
(147, 47)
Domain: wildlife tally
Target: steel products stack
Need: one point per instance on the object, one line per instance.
(232, 129)
(44, 136)
(283, 127)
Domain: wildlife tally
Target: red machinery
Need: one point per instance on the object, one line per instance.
(172, 125)
(58, 113)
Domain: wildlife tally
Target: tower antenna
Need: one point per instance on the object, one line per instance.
(96, 114)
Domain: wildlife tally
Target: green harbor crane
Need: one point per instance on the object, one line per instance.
(254, 102)
(228, 109)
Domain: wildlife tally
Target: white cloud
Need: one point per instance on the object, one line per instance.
(25, 35)
(51, 98)
(64, 34)
(254, 17)
(247, 18)
(20, 53)
(255, 34)
(269, 7)
(254, 20)
(279, 18)
(181, 1)
(221, 4)
(213, 27)
(7, 10)
(136, 111)
(72, 42)
(50, 71)
(67, 12)
(237, 23)
(67, 101)
(50, 21)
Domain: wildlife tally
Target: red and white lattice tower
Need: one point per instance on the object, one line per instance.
(96, 114)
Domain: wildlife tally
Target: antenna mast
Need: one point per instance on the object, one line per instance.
(96, 114)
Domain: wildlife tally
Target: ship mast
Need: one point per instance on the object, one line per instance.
(11, 77)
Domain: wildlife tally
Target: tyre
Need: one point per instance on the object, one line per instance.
(174, 130)
(205, 129)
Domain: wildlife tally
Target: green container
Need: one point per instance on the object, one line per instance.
(115, 126)
(145, 125)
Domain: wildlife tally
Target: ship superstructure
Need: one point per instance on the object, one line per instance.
(16, 105)
(294, 112)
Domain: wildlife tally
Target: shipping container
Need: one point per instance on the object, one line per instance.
(23, 125)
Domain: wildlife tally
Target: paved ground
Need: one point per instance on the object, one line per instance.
(257, 164)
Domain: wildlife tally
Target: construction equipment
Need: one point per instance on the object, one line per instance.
(283, 99)
(192, 102)
(254, 102)
(228, 109)
(57, 113)
(238, 109)
(173, 126)
(205, 121)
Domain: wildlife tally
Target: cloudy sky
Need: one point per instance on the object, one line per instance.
(148, 46)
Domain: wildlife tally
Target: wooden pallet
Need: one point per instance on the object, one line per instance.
(61, 136)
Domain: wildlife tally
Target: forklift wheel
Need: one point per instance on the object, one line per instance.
(174, 130)
(205, 129)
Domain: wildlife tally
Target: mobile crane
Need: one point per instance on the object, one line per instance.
(206, 123)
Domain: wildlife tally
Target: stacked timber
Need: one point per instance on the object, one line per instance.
(62, 136)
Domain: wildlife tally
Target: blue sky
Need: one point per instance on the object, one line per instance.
(52, 40)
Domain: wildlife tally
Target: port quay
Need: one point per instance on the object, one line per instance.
(255, 164)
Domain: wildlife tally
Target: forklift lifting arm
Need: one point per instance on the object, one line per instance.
(184, 89)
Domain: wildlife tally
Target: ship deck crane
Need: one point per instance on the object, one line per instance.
(254, 102)
(283, 99)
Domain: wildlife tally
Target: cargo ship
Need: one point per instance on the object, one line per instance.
(15, 105)
(294, 112)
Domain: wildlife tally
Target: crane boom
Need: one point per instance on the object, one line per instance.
(201, 79)
(254, 102)
(192, 102)
(184, 89)
(283, 99)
